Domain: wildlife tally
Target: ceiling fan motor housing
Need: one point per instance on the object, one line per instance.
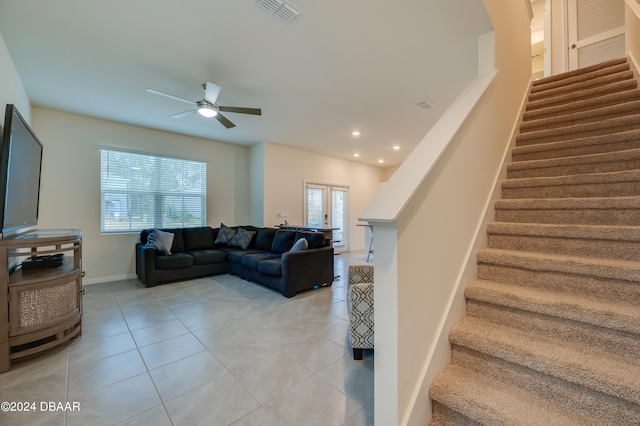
(207, 109)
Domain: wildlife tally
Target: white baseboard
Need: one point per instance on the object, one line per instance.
(109, 279)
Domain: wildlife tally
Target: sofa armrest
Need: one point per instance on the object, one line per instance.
(146, 264)
(302, 270)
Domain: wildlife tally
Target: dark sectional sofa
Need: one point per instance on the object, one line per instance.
(266, 258)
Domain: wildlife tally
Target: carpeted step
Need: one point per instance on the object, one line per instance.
(582, 117)
(575, 131)
(605, 408)
(581, 85)
(601, 241)
(484, 400)
(584, 76)
(617, 211)
(616, 141)
(583, 105)
(621, 343)
(594, 92)
(608, 317)
(610, 184)
(569, 75)
(576, 364)
(609, 280)
(580, 164)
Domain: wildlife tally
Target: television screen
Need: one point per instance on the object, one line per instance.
(20, 165)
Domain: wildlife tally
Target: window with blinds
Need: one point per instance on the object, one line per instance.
(140, 191)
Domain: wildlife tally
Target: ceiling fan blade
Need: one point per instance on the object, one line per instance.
(182, 114)
(166, 95)
(225, 122)
(240, 110)
(211, 92)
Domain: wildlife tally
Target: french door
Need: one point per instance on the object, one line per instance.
(327, 206)
(596, 31)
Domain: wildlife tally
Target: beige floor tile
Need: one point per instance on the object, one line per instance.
(83, 350)
(170, 350)
(159, 332)
(142, 317)
(330, 407)
(272, 375)
(114, 403)
(32, 418)
(219, 402)
(315, 353)
(259, 416)
(157, 416)
(104, 372)
(177, 378)
(352, 377)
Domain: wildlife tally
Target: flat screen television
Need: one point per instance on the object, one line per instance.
(20, 167)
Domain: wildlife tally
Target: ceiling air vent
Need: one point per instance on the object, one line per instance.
(285, 11)
(425, 104)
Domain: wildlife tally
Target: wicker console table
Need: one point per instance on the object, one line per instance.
(39, 308)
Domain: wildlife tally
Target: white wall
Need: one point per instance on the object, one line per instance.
(286, 170)
(11, 87)
(70, 188)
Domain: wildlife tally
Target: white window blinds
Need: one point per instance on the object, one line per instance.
(140, 191)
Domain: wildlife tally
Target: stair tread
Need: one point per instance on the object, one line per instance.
(589, 93)
(607, 99)
(609, 123)
(582, 179)
(611, 315)
(599, 232)
(580, 71)
(570, 86)
(596, 369)
(628, 135)
(603, 203)
(616, 269)
(615, 109)
(489, 401)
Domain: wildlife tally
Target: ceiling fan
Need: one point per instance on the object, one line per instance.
(208, 107)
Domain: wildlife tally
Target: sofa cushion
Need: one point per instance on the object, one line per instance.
(235, 255)
(283, 241)
(161, 241)
(315, 239)
(200, 238)
(271, 267)
(175, 261)
(225, 234)
(264, 238)
(300, 245)
(242, 238)
(207, 257)
(252, 260)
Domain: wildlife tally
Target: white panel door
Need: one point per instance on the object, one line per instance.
(596, 31)
(327, 206)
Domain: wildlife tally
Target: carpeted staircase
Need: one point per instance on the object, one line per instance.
(552, 331)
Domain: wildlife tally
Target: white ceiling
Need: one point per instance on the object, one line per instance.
(343, 65)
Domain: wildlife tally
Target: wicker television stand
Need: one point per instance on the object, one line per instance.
(41, 307)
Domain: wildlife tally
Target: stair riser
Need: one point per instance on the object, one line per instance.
(623, 344)
(603, 129)
(585, 118)
(582, 105)
(608, 249)
(608, 289)
(443, 416)
(571, 151)
(622, 189)
(616, 217)
(578, 96)
(608, 67)
(596, 404)
(585, 84)
(574, 169)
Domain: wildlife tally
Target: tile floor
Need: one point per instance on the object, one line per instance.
(211, 351)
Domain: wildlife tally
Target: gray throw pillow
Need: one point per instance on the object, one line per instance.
(300, 245)
(161, 241)
(225, 234)
(242, 238)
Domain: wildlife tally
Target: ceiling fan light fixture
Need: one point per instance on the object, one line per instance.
(207, 110)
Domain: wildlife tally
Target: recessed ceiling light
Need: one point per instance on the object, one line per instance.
(356, 155)
(396, 147)
(355, 133)
(381, 161)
